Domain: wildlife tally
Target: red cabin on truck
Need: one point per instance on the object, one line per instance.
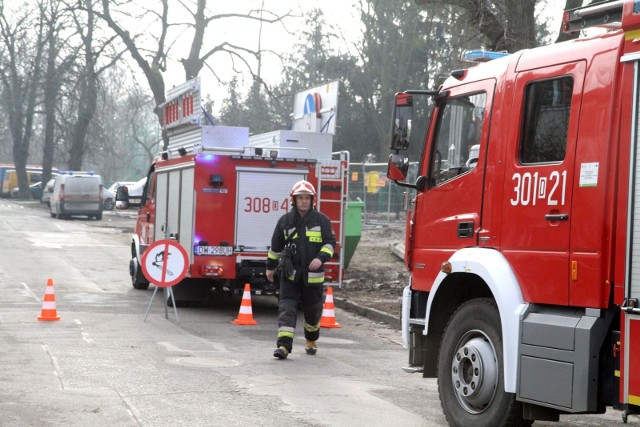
(523, 241)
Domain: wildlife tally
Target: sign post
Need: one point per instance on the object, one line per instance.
(165, 264)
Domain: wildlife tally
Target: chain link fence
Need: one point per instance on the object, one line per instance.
(384, 202)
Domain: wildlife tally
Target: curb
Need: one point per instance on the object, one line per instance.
(370, 313)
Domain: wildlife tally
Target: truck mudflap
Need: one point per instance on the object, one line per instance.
(406, 312)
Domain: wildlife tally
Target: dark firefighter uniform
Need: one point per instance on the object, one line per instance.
(306, 238)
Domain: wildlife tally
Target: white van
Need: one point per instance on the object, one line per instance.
(76, 193)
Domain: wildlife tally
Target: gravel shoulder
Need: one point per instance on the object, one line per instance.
(376, 277)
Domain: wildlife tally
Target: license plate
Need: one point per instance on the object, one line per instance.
(214, 250)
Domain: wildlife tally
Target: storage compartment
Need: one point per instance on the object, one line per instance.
(559, 357)
(290, 144)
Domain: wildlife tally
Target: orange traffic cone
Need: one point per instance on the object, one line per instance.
(245, 316)
(328, 312)
(49, 304)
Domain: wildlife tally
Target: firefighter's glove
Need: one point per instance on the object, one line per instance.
(285, 265)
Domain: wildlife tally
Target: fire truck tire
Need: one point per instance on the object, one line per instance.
(471, 370)
(137, 277)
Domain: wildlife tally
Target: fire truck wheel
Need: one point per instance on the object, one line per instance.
(470, 369)
(137, 277)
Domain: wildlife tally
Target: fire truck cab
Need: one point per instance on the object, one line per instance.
(521, 242)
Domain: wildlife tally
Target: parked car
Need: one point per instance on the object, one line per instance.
(135, 192)
(35, 189)
(47, 190)
(76, 193)
(108, 198)
(115, 185)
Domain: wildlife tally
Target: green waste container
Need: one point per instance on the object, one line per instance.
(352, 229)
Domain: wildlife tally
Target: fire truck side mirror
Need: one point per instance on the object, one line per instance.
(122, 197)
(398, 167)
(401, 125)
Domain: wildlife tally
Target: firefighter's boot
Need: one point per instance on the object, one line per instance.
(281, 352)
(311, 348)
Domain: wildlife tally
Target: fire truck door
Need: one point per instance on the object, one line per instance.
(175, 205)
(147, 211)
(630, 334)
(448, 211)
(539, 174)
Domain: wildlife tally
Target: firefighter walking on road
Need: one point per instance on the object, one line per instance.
(302, 242)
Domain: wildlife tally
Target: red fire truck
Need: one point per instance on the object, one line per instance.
(523, 241)
(219, 193)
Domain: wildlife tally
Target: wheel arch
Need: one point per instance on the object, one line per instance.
(479, 273)
(135, 247)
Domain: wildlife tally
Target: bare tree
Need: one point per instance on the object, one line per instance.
(57, 66)
(153, 62)
(156, 65)
(88, 89)
(506, 24)
(196, 61)
(21, 51)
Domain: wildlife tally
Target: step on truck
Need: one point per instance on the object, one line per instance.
(219, 192)
(523, 238)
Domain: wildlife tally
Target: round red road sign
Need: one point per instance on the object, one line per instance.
(165, 263)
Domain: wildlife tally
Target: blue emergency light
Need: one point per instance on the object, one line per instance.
(482, 55)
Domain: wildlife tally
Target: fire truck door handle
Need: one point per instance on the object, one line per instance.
(556, 217)
(465, 229)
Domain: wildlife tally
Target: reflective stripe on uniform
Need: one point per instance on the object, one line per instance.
(287, 234)
(315, 277)
(311, 328)
(273, 255)
(285, 331)
(314, 236)
(328, 249)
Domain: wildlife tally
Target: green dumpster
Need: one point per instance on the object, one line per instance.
(352, 229)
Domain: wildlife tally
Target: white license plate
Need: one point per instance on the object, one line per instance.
(214, 250)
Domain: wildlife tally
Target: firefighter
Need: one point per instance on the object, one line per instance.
(302, 242)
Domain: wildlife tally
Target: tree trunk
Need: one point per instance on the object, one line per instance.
(570, 4)
(50, 98)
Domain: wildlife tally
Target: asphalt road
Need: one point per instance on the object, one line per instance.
(101, 364)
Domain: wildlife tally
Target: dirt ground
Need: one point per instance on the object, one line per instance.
(375, 277)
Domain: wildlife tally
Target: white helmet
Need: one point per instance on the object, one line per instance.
(302, 187)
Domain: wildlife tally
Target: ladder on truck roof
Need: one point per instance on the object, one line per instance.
(332, 203)
(606, 14)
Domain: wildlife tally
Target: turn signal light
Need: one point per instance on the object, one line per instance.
(446, 267)
(211, 270)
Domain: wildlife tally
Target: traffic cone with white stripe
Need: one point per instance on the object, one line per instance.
(49, 312)
(328, 319)
(245, 316)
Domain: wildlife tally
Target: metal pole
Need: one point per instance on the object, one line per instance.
(150, 302)
(364, 192)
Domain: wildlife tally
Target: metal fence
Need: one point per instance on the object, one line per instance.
(384, 201)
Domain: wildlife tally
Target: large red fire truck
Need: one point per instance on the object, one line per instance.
(523, 241)
(219, 193)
